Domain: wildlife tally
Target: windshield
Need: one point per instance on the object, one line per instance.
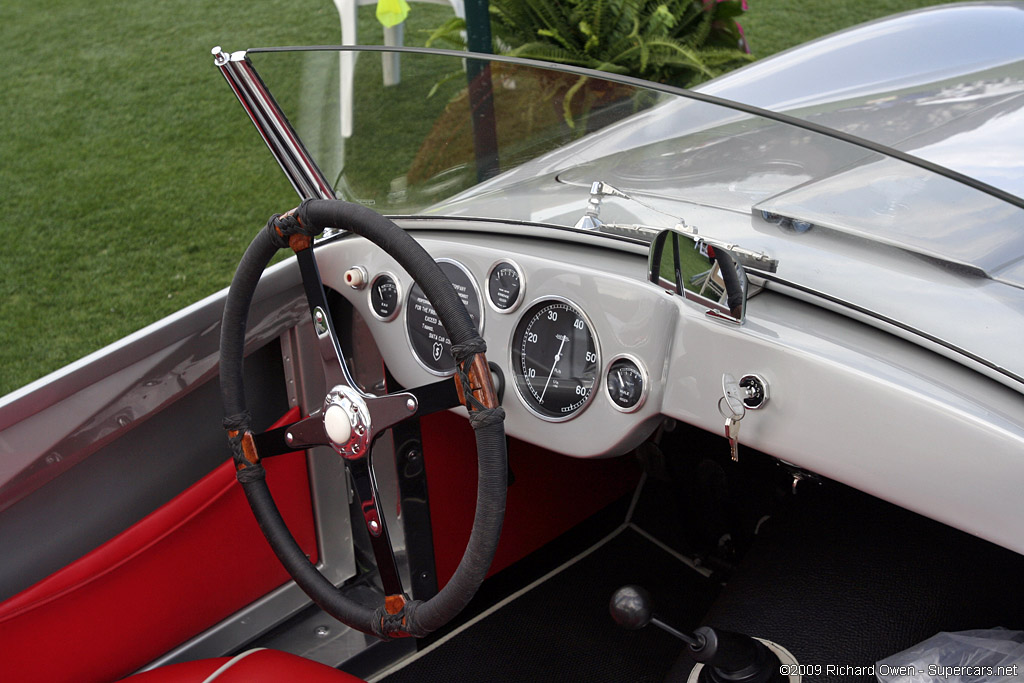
(505, 140)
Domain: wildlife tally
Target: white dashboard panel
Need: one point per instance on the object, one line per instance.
(848, 401)
(629, 315)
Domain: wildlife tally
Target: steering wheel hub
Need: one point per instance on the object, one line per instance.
(347, 422)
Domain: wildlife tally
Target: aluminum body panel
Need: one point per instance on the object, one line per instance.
(51, 424)
(893, 53)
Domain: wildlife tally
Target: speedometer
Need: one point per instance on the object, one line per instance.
(555, 359)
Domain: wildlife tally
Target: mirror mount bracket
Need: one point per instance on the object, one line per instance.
(598, 189)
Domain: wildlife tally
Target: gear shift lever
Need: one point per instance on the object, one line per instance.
(728, 657)
(631, 608)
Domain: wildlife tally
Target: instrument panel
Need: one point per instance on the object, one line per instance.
(554, 324)
(661, 356)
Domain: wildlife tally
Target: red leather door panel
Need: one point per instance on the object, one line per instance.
(180, 570)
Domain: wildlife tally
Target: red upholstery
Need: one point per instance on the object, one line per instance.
(172, 575)
(255, 666)
(551, 494)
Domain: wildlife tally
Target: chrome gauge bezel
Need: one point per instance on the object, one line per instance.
(398, 291)
(522, 286)
(644, 377)
(405, 318)
(513, 369)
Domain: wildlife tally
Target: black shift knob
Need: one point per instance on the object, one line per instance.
(631, 607)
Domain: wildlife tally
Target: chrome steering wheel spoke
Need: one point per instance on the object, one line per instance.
(335, 369)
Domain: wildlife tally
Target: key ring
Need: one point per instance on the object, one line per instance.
(733, 413)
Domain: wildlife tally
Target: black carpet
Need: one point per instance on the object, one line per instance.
(561, 630)
(845, 579)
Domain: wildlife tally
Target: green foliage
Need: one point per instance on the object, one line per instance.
(680, 42)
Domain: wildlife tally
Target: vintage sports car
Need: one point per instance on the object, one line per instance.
(746, 358)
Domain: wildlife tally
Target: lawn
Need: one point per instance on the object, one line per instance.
(130, 178)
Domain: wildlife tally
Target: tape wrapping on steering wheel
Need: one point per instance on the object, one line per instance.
(416, 618)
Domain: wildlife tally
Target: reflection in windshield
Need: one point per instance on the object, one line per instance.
(469, 137)
(449, 125)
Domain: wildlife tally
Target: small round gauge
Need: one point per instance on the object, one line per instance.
(428, 338)
(627, 384)
(504, 286)
(384, 297)
(555, 359)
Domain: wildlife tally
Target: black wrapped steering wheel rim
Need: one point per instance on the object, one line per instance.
(398, 616)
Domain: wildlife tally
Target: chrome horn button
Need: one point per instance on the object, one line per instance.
(347, 421)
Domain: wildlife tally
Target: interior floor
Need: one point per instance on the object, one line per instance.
(559, 628)
(841, 578)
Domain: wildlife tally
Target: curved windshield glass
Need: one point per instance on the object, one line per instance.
(492, 139)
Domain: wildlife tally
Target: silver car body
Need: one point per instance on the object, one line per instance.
(889, 334)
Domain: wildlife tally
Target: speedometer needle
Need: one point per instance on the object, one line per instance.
(558, 357)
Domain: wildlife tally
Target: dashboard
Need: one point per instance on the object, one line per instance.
(575, 332)
(594, 358)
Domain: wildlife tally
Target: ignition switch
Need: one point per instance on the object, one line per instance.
(755, 389)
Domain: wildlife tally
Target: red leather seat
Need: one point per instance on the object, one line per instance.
(254, 666)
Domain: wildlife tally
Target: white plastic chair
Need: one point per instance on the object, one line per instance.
(393, 36)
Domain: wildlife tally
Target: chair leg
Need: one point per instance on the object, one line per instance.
(346, 62)
(393, 37)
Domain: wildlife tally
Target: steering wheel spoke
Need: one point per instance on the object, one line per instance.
(335, 369)
(365, 486)
(300, 435)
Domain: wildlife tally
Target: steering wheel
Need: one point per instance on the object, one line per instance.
(350, 420)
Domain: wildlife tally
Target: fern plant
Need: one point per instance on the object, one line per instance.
(679, 42)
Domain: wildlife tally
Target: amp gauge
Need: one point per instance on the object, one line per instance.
(384, 297)
(627, 384)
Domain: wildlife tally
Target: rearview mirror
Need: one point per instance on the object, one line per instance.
(705, 273)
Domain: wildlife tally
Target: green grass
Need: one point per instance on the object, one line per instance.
(130, 178)
(775, 25)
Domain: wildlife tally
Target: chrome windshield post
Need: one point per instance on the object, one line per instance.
(303, 173)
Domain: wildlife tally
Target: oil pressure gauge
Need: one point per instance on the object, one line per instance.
(627, 384)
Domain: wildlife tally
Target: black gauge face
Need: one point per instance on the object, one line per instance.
(427, 336)
(625, 384)
(554, 359)
(384, 299)
(504, 286)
